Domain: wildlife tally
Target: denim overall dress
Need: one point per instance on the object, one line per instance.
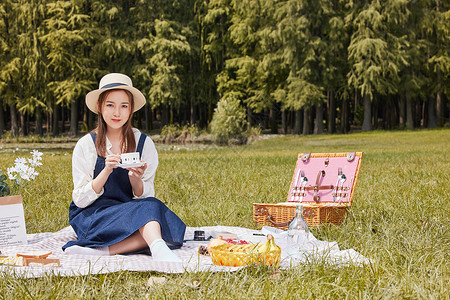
(115, 215)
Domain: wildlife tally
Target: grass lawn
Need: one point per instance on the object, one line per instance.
(399, 218)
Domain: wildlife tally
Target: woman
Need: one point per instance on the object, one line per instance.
(113, 209)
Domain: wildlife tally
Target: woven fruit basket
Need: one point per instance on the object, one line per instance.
(268, 254)
(323, 182)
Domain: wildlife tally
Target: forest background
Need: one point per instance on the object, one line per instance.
(291, 66)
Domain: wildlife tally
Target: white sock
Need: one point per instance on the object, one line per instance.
(161, 252)
(100, 251)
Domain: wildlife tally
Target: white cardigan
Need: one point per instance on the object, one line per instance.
(83, 164)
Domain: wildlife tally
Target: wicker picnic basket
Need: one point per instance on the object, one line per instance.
(326, 199)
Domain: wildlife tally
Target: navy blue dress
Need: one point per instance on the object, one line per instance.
(115, 215)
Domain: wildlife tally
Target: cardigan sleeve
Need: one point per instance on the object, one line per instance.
(83, 163)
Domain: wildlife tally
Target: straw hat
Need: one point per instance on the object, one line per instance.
(115, 81)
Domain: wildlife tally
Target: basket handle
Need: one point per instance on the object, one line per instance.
(282, 224)
(262, 211)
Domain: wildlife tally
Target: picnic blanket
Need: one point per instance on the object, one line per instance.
(75, 265)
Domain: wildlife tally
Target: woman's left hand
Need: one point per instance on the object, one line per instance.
(136, 173)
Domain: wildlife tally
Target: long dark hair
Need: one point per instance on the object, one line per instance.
(128, 143)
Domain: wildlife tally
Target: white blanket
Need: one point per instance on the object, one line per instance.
(73, 265)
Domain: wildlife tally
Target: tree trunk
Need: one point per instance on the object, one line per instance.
(164, 116)
(418, 114)
(85, 117)
(74, 118)
(193, 118)
(2, 118)
(306, 121)
(273, 120)
(331, 113)
(385, 111)
(283, 121)
(402, 112)
(424, 114)
(38, 130)
(298, 122)
(374, 109)
(249, 117)
(49, 122)
(23, 130)
(409, 113)
(432, 112)
(27, 124)
(14, 125)
(440, 107)
(266, 120)
(344, 116)
(63, 120)
(55, 126)
(367, 123)
(146, 116)
(395, 114)
(318, 125)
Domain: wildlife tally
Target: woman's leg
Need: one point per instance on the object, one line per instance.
(148, 235)
(134, 242)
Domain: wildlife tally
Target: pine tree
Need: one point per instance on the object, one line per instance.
(168, 48)
(436, 30)
(374, 55)
(69, 38)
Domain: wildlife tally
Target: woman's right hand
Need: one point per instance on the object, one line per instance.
(111, 162)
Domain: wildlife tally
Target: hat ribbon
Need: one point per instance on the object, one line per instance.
(112, 85)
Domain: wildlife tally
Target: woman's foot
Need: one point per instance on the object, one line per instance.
(100, 251)
(160, 252)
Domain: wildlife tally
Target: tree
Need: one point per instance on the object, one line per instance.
(436, 29)
(303, 52)
(168, 48)
(373, 56)
(70, 35)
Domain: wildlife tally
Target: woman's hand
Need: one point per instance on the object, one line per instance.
(135, 175)
(111, 162)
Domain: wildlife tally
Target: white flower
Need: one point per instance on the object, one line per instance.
(33, 175)
(35, 162)
(11, 174)
(24, 169)
(36, 153)
(26, 173)
(20, 161)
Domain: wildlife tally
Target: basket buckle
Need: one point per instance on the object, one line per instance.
(306, 156)
(261, 211)
(351, 156)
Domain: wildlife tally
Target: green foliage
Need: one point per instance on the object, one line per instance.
(4, 186)
(228, 120)
(188, 54)
(253, 131)
(175, 130)
(169, 47)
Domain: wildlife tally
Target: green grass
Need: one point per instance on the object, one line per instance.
(399, 218)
